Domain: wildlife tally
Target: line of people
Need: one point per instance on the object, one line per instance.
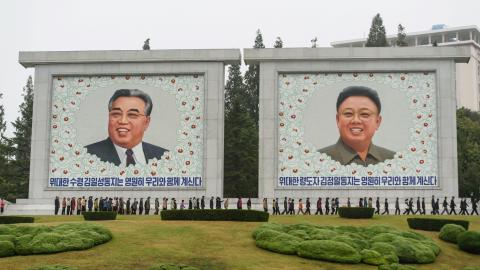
(331, 206)
(70, 206)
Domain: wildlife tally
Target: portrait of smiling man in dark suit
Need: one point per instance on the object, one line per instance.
(128, 118)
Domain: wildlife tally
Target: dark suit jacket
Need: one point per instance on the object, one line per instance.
(106, 151)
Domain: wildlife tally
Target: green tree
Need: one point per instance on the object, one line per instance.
(468, 152)
(252, 81)
(401, 37)
(377, 36)
(21, 141)
(7, 189)
(278, 43)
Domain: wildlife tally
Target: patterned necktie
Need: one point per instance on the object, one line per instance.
(130, 159)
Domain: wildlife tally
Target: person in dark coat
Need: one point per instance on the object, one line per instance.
(445, 206)
(202, 203)
(433, 205)
(190, 204)
(147, 206)
(474, 203)
(307, 206)
(128, 206)
(157, 206)
(319, 207)
(239, 203)
(327, 206)
(57, 204)
(211, 202)
(386, 207)
(397, 207)
(90, 204)
(249, 204)
(140, 207)
(377, 205)
(452, 206)
(285, 206)
(134, 206)
(423, 206)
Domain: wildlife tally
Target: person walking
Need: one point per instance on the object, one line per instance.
(249, 204)
(319, 207)
(147, 206)
(474, 203)
(2, 206)
(134, 206)
(386, 207)
(202, 203)
(225, 203)
(157, 206)
(73, 203)
(57, 205)
(265, 205)
(64, 205)
(300, 207)
(277, 207)
(307, 206)
(445, 206)
(211, 202)
(397, 207)
(292, 207)
(348, 202)
(327, 206)
(437, 207)
(452, 206)
(433, 205)
(128, 207)
(419, 209)
(407, 207)
(140, 206)
(285, 206)
(239, 203)
(377, 205)
(423, 206)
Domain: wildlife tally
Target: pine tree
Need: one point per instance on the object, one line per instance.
(21, 142)
(7, 189)
(278, 43)
(377, 36)
(401, 37)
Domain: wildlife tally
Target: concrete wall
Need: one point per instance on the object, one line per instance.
(275, 61)
(48, 64)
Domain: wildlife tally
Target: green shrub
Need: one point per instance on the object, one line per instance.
(376, 245)
(322, 234)
(395, 266)
(102, 215)
(279, 242)
(471, 268)
(358, 244)
(43, 240)
(356, 212)
(433, 224)
(15, 219)
(450, 232)
(387, 250)
(372, 257)
(469, 241)
(328, 250)
(53, 267)
(413, 251)
(215, 215)
(7, 248)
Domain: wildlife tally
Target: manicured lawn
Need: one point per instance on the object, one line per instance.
(142, 241)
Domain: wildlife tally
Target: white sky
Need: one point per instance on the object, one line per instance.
(62, 25)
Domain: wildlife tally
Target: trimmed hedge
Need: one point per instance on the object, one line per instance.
(28, 240)
(469, 241)
(433, 224)
(356, 212)
(375, 245)
(102, 215)
(215, 215)
(450, 232)
(16, 219)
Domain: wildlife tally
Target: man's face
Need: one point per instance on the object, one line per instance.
(127, 122)
(357, 121)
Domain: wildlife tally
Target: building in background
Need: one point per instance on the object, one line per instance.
(467, 74)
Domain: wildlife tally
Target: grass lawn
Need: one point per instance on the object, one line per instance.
(142, 241)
